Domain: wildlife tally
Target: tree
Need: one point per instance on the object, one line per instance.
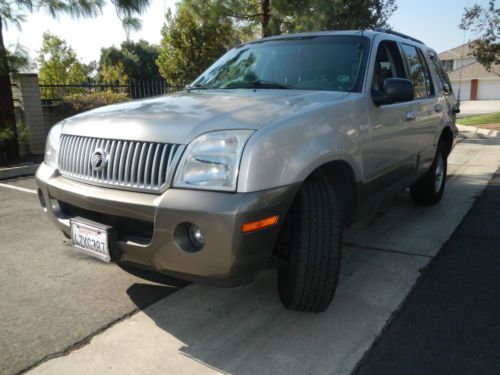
(18, 59)
(203, 29)
(285, 16)
(134, 60)
(58, 62)
(113, 73)
(243, 13)
(13, 13)
(322, 15)
(189, 44)
(484, 23)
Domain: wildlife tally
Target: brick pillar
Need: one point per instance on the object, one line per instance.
(473, 89)
(27, 99)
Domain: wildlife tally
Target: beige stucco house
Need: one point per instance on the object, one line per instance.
(476, 82)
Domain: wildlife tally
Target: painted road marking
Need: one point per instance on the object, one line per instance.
(18, 188)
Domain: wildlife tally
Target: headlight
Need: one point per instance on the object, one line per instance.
(52, 146)
(212, 160)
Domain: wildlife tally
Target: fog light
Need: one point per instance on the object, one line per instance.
(188, 237)
(196, 236)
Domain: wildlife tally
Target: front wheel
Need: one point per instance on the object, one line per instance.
(429, 189)
(311, 245)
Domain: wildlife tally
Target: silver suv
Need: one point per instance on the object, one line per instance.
(259, 163)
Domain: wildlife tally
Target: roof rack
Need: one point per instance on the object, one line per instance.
(401, 35)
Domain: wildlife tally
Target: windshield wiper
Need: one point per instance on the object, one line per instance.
(256, 85)
(199, 87)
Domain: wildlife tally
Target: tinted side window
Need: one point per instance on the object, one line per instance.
(416, 71)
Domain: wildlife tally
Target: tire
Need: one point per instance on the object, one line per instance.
(312, 248)
(429, 189)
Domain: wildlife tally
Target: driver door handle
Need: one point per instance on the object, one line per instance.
(410, 115)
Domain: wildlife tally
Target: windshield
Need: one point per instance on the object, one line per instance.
(332, 63)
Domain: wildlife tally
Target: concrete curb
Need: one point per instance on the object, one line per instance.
(473, 129)
(20, 171)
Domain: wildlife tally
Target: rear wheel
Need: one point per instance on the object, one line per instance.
(429, 189)
(311, 245)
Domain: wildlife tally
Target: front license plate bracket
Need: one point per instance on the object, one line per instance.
(92, 238)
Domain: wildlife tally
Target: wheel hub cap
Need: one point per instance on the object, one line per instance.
(439, 174)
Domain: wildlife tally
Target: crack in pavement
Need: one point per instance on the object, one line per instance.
(79, 344)
(387, 250)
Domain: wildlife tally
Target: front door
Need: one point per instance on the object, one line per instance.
(393, 128)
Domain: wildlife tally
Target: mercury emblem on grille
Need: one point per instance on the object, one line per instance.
(98, 160)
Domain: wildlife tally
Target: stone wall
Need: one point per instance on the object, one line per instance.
(28, 106)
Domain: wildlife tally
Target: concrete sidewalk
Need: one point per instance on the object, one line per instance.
(450, 323)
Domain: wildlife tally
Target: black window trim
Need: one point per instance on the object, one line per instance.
(427, 66)
(372, 67)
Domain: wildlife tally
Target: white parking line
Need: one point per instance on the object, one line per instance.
(18, 188)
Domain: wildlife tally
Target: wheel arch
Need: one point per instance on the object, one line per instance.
(340, 175)
(446, 138)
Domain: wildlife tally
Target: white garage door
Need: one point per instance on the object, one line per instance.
(464, 89)
(488, 89)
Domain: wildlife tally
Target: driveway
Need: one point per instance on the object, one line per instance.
(96, 313)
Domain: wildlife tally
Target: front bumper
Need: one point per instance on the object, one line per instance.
(228, 257)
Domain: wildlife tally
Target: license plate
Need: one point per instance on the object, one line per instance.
(90, 239)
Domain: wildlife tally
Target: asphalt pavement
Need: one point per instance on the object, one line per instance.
(450, 323)
(53, 299)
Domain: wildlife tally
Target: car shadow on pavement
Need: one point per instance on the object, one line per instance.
(144, 295)
(240, 330)
(244, 330)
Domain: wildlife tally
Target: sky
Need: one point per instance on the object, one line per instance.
(435, 22)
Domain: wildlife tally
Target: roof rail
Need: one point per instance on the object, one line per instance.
(401, 35)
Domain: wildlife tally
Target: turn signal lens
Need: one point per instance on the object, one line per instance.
(256, 225)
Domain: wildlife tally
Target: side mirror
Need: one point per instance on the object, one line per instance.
(395, 90)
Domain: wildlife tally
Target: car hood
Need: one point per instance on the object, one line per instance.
(178, 118)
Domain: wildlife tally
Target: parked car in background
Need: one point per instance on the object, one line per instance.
(259, 163)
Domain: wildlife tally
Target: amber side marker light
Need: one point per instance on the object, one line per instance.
(256, 225)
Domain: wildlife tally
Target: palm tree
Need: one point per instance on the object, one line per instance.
(13, 13)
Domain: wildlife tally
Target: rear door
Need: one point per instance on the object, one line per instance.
(444, 90)
(428, 110)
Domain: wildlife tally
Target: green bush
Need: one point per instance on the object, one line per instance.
(5, 134)
(23, 137)
(86, 101)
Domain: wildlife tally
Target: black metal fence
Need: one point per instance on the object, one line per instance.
(51, 93)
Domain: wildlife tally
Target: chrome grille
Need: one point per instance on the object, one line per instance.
(130, 165)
